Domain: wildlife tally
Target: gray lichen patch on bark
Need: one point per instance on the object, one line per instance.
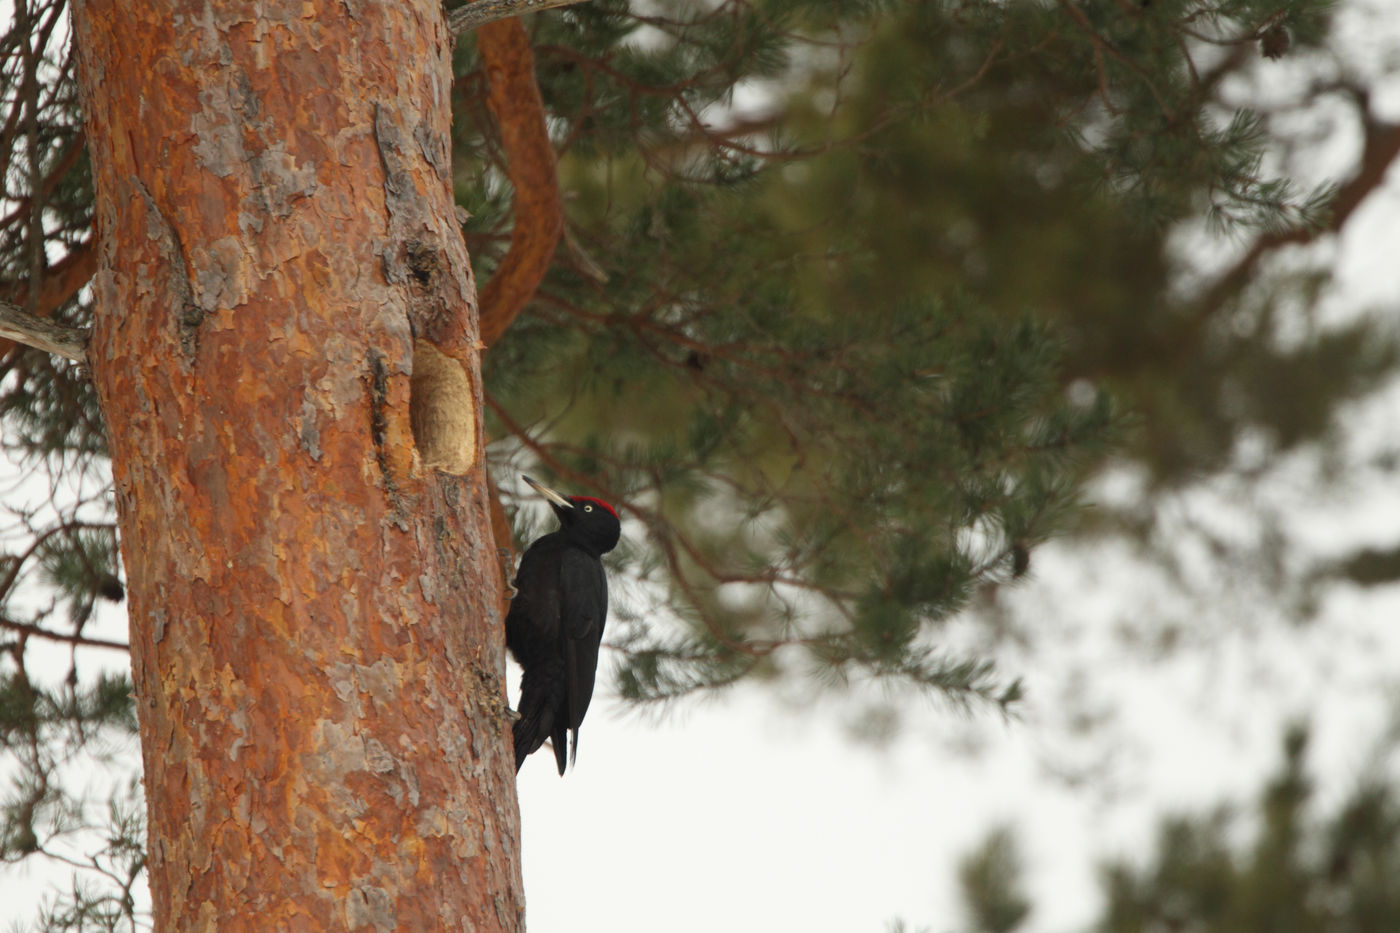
(370, 906)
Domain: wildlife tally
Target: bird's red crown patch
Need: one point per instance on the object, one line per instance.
(597, 502)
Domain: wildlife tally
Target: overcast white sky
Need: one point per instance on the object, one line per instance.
(741, 814)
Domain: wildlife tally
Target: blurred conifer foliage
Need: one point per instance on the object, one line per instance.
(852, 297)
(1300, 866)
(842, 290)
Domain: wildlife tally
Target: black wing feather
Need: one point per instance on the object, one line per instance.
(584, 611)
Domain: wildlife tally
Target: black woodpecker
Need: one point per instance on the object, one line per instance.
(555, 623)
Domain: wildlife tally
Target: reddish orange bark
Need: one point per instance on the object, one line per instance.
(315, 639)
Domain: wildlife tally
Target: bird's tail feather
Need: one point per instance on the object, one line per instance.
(529, 735)
(560, 739)
(537, 722)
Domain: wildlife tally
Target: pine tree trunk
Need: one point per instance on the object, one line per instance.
(285, 348)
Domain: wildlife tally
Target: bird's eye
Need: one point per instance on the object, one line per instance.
(588, 508)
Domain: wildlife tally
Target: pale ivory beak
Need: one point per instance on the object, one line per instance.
(548, 493)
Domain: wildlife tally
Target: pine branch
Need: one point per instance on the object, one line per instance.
(20, 326)
(24, 628)
(60, 281)
(478, 14)
(50, 182)
(1380, 150)
(514, 99)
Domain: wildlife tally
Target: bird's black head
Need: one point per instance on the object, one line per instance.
(586, 521)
